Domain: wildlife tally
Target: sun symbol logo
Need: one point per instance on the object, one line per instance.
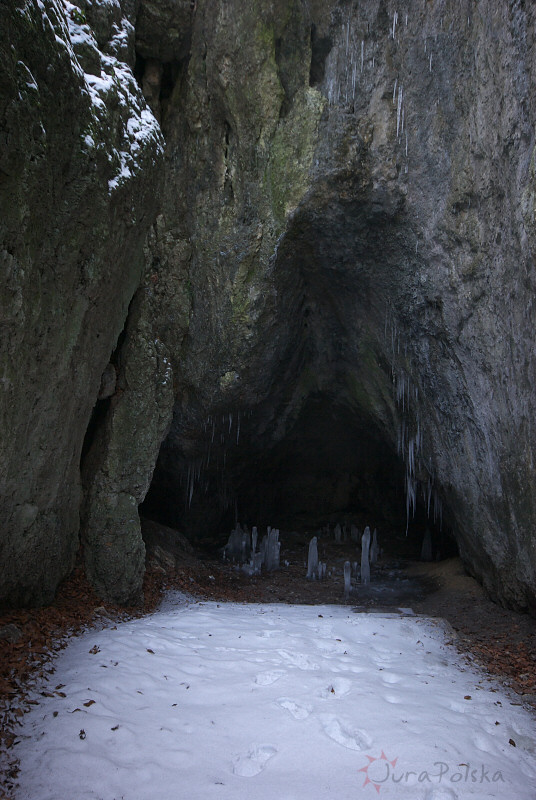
(377, 783)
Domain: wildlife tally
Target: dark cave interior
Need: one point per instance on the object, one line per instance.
(320, 446)
(331, 466)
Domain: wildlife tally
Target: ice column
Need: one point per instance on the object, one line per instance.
(365, 566)
(312, 560)
(347, 579)
(374, 549)
(271, 550)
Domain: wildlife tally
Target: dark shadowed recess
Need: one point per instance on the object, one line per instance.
(331, 466)
(320, 445)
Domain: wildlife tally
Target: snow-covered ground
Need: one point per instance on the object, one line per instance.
(227, 701)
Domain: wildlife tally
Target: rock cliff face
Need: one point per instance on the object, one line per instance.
(79, 160)
(338, 275)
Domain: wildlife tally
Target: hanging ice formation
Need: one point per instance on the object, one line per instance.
(419, 473)
(374, 548)
(347, 579)
(312, 560)
(365, 566)
(426, 550)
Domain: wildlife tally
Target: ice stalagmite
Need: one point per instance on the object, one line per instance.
(312, 560)
(426, 550)
(347, 579)
(235, 549)
(374, 548)
(365, 566)
(271, 546)
(338, 533)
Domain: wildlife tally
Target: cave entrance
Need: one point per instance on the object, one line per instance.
(328, 424)
(332, 465)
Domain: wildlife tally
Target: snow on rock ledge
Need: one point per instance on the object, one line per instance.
(114, 92)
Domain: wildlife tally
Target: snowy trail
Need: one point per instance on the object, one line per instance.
(224, 701)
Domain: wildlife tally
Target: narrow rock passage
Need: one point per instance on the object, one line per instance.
(223, 700)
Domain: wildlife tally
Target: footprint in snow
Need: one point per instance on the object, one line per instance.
(339, 687)
(297, 711)
(267, 678)
(300, 660)
(330, 646)
(441, 793)
(254, 761)
(345, 735)
(482, 743)
(390, 677)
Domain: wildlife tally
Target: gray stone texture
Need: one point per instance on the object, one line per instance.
(346, 218)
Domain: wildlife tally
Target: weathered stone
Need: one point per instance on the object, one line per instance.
(359, 210)
(341, 273)
(118, 467)
(79, 161)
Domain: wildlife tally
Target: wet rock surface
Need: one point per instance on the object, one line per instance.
(354, 230)
(332, 308)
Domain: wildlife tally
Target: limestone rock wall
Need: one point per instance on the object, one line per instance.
(355, 217)
(345, 220)
(80, 155)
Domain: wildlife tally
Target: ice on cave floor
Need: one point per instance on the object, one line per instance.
(365, 566)
(426, 550)
(270, 547)
(312, 560)
(374, 548)
(241, 549)
(338, 533)
(237, 548)
(347, 579)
